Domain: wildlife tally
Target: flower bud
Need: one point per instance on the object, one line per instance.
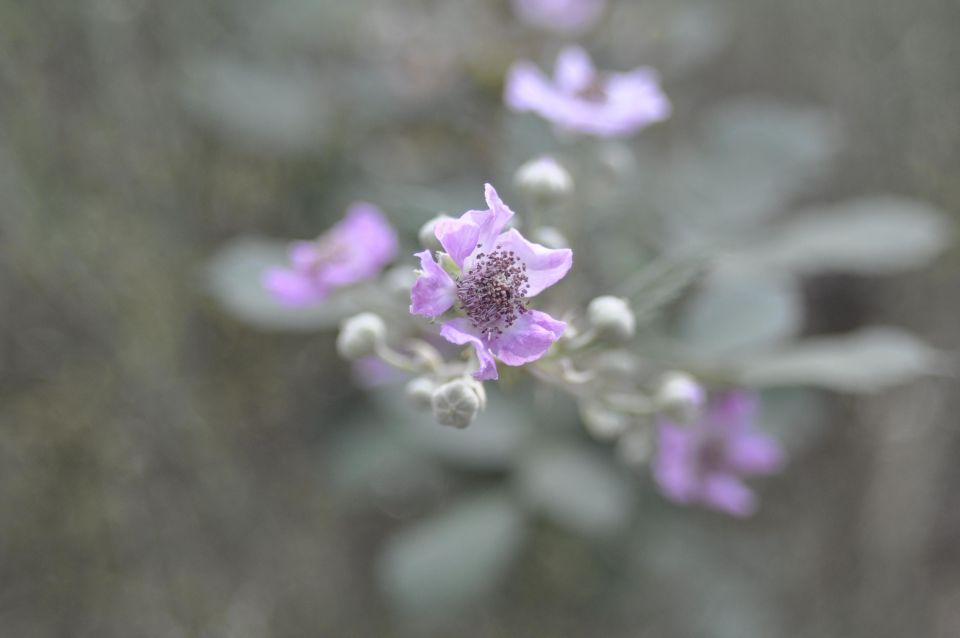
(680, 397)
(612, 318)
(457, 403)
(603, 423)
(360, 335)
(550, 237)
(545, 180)
(427, 235)
(420, 392)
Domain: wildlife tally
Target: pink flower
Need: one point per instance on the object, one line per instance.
(499, 272)
(561, 16)
(581, 99)
(354, 249)
(704, 462)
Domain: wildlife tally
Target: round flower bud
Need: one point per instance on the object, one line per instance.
(457, 403)
(612, 318)
(603, 423)
(545, 180)
(420, 392)
(680, 397)
(550, 237)
(360, 335)
(427, 236)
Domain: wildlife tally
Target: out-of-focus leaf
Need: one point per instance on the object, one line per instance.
(872, 235)
(796, 417)
(577, 489)
(234, 278)
(866, 361)
(457, 556)
(264, 109)
(738, 314)
(662, 282)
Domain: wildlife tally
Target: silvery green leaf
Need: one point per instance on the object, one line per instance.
(658, 284)
(461, 554)
(264, 109)
(577, 489)
(736, 314)
(871, 235)
(866, 361)
(233, 277)
(796, 417)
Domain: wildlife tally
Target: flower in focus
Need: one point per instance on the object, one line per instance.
(498, 272)
(560, 16)
(704, 462)
(579, 98)
(353, 250)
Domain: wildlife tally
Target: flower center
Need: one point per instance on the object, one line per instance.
(595, 91)
(712, 454)
(492, 293)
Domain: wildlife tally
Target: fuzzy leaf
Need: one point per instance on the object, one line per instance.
(461, 554)
(661, 283)
(866, 361)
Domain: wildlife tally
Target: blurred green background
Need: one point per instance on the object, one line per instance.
(165, 468)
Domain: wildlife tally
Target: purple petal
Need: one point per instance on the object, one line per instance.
(574, 71)
(461, 332)
(493, 224)
(754, 454)
(545, 266)
(733, 411)
(433, 292)
(458, 236)
(527, 88)
(292, 287)
(636, 98)
(674, 468)
(728, 494)
(360, 245)
(303, 254)
(528, 338)
(562, 16)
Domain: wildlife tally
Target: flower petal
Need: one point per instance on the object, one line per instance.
(526, 88)
(292, 287)
(528, 339)
(733, 411)
(674, 468)
(303, 254)
(545, 266)
(434, 292)
(574, 70)
(461, 332)
(358, 246)
(474, 229)
(728, 494)
(492, 225)
(753, 454)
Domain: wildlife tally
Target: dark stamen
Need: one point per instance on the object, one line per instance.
(493, 291)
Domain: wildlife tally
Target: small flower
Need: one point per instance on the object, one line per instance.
(560, 16)
(354, 249)
(498, 273)
(581, 99)
(704, 462)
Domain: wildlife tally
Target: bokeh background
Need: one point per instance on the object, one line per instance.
(169, 470)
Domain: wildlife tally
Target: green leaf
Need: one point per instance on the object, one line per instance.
(459, 555)
(872, 235)
(577, 489)
(234, 276)
(866, 361)
(733, 315)
(657, 285)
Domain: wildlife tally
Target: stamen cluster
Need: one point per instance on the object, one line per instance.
(493, 292)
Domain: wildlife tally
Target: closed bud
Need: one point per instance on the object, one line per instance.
(457, 403)
(544, 180)
(612, 318)
(603, 423)
(680, 397)
(360, 336)
(428, 236)
(420, 392)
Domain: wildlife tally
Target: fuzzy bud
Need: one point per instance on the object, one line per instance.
(457, 403)
(680, 397)
(360, 335)
(427, 235)
(420, 392)
(544, 180)
(612, 318)
(603, 423)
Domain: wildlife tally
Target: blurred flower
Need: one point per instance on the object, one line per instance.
(354, 249)
(560, 16)
(704, 462)
(581, 99)
(495, 273)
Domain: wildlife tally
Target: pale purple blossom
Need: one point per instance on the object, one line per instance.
(581, 99)
(498, 273)
(560, 16)
(703, 463)
(353, 250)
